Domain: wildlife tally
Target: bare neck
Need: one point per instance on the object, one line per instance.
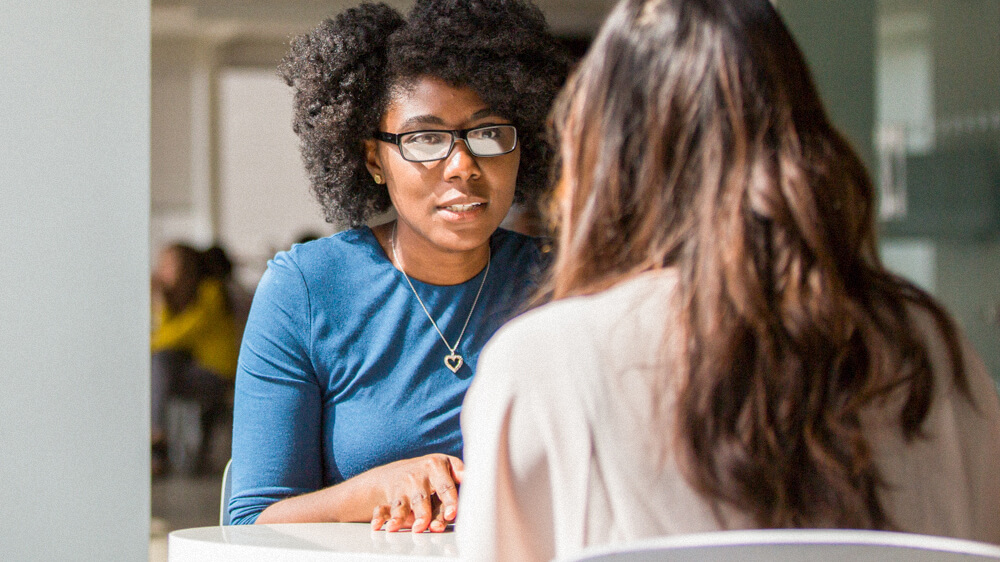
(420, 260)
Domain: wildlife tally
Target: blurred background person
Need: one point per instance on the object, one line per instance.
(307, 236)
(219, 266)
(194, 341)
(724, 348)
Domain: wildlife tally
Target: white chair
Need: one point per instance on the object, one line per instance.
(227, 492)
(798, 545)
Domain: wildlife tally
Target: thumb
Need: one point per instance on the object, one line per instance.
(457, 469)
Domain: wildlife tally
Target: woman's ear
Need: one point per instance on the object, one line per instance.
(372, 161)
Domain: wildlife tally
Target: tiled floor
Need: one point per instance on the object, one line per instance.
(181, 502)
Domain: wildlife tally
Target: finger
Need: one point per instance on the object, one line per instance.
(444, 486)
(399, 513)
(457, 468)
(420, 505)
(438, 524)
(379, 516)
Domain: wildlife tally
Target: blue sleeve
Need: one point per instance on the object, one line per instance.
(278, 408)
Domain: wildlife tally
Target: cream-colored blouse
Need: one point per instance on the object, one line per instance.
(567, 437)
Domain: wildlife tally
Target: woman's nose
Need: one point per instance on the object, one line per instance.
(461, 164)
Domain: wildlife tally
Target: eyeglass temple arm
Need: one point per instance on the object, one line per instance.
(387, 137)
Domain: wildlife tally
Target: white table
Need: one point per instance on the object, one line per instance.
(307, 542)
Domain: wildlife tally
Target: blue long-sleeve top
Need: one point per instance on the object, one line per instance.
(340, 370)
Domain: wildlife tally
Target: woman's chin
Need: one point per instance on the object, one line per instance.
(464, 240)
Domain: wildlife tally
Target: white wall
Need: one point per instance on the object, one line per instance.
(264, 198)
(74, 197)
(225, 162)
(181, 151)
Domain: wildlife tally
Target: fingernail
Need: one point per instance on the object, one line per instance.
(419, 523)
(437, 525)
(449, 513)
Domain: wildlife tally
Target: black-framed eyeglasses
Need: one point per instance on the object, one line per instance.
(426, 146)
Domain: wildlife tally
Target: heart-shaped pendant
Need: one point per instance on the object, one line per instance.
(453, 362)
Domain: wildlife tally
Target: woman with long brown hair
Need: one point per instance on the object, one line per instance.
(724, 348)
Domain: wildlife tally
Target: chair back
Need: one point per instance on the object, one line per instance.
(795, 545)
(227, 492)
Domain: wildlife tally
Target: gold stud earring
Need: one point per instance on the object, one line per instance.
(378, 179)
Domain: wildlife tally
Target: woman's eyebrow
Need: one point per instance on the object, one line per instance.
(421, 120)
(486, 112)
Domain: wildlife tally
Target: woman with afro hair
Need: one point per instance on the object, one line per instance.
(359, 347)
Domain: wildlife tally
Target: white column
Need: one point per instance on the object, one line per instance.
(204, 176)
(74, 289)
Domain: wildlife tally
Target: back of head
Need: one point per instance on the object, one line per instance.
(216, 263)
(692, 137)
(187, 271)
(683, 108)
(344, 71)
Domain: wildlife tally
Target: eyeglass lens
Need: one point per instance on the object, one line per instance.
(493, 140)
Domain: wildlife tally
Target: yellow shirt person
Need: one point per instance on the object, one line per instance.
(205, 329)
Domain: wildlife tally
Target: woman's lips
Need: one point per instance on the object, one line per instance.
(461, 208)
(462, 212)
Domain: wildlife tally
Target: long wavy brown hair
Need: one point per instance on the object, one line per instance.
(692, 137)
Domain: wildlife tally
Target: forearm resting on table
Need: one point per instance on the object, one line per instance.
(400, 494)
(350, 501)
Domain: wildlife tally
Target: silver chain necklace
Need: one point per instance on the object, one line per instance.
(453, 360)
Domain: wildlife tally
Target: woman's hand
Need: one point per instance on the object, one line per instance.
(419, 493)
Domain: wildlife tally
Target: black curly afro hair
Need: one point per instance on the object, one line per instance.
(343, 72)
